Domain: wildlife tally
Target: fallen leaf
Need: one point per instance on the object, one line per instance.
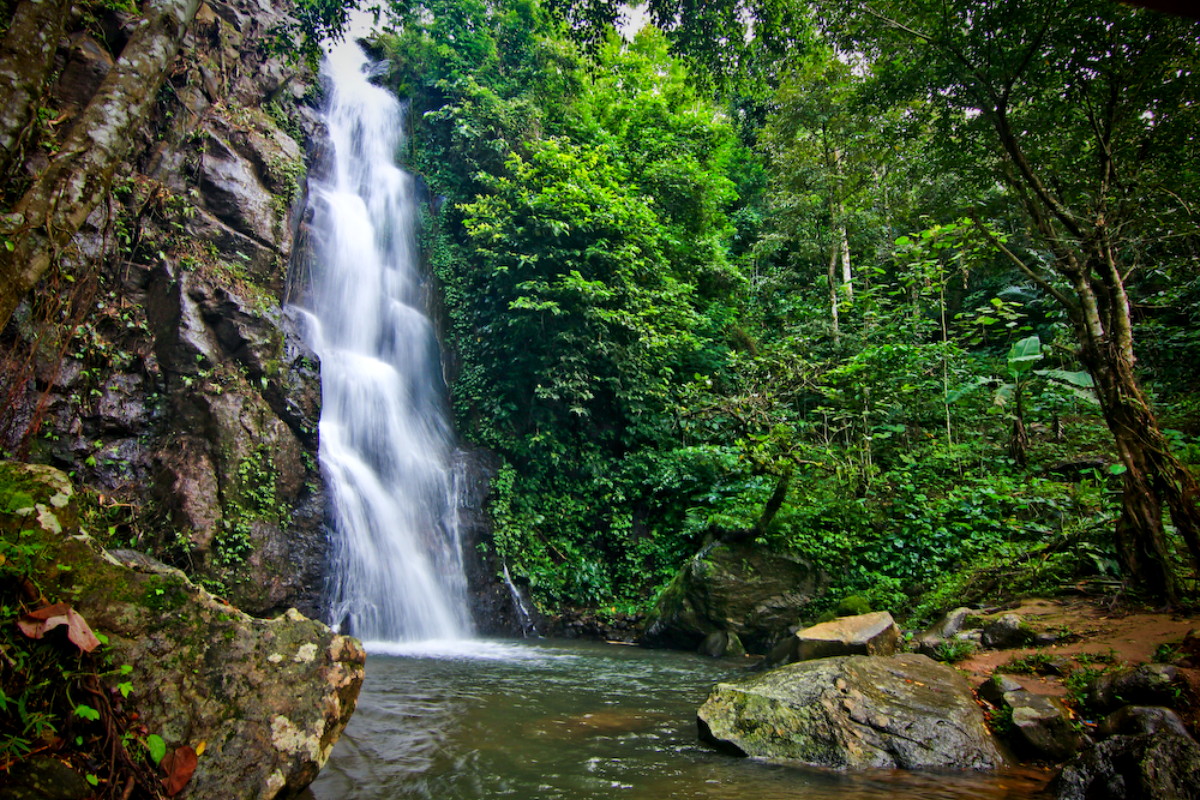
(35, 624)
(179, 766)
(200, 748)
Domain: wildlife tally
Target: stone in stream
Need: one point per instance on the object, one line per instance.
(721, 643)
(853, 712)
(873, 634)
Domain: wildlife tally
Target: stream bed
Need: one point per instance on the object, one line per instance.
(549, 720)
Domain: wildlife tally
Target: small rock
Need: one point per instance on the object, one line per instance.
(927, 641)
(995, 687)
(1042, 726)
(873, 634)
(1007, 631)
(722, 643)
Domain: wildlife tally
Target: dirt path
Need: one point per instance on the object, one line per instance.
(1097, 631)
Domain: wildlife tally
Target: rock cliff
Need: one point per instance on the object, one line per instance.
(155, 359)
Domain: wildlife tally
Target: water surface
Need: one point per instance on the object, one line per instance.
(469, 720)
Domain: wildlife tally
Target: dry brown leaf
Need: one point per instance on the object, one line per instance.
(179, 766)
(35, 624)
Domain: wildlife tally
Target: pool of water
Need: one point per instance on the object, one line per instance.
(552, 720)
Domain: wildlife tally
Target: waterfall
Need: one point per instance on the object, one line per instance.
(386, 445)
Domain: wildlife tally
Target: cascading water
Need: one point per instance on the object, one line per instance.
(386, 446)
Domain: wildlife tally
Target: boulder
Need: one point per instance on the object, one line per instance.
(853, 712)
(1137, 720)
(1157, 766)
(740, 588)
(873, 634)
(268, 698)
(1042, 726)
(1146, 685)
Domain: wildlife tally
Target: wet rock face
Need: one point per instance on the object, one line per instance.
(268, 698)
(186, 390)
(853, 712)
(737, 588)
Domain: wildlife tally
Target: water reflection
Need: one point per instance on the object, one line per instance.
(551, 721)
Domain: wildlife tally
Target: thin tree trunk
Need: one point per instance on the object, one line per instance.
(833, 293)
(844, 241)
(26, 56)
(81, 172)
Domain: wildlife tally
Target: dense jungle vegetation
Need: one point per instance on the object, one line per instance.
(908, 289)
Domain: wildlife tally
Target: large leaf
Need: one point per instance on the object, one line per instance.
(1024, 354)
(1081, 379)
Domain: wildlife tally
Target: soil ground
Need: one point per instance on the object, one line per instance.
(1100, 632)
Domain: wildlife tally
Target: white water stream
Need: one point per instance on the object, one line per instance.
(386, 447)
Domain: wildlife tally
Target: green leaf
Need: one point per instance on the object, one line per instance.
(1024, 354)
(1081, 379)
(92, 779)
(1117, 469)
(125, 687)
(156, 747)
(86, 712)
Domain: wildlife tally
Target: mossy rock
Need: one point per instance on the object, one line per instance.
(743, 589)
(268, 698)
(853, 712)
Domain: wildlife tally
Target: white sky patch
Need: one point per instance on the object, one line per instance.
(633, 19)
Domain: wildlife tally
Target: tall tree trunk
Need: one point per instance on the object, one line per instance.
(1153, 478)
(26, 56)
(81, 172)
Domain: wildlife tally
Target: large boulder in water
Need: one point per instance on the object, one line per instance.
(853, 712)
(737, 588)
(267, 698)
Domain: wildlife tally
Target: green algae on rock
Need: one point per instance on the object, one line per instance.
(853, 712)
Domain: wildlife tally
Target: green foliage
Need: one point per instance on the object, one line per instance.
(952, 651)
(640, 309)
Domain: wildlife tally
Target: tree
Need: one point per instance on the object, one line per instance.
(819, 151)
(1086, 111)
